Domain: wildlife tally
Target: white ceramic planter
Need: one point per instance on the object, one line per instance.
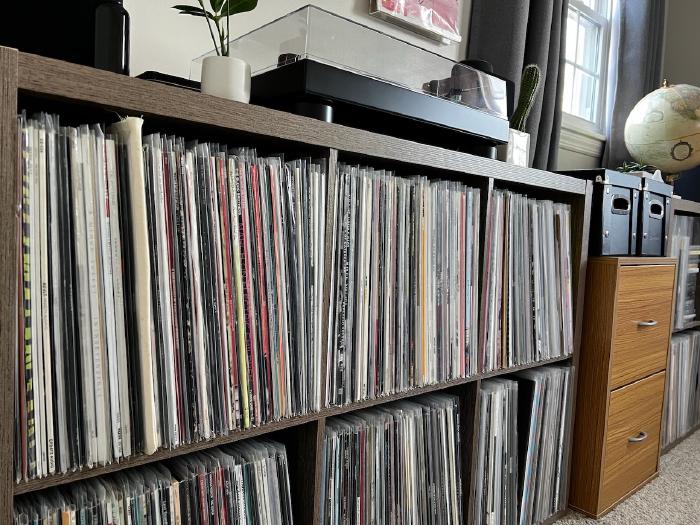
(517, 151)
(226, 77)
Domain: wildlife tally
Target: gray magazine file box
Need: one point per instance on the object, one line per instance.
(614, 211)
(654, 217)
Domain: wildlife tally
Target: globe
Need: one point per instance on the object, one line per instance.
(663, 129)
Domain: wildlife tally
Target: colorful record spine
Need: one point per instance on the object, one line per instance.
(31, 467)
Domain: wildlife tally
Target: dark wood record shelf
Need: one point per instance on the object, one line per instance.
(275, 426)
(52, 78)
(78, 92)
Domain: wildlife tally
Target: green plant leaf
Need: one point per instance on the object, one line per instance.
(232, 7)
(216, 5)
(192, 10)
(187, 9)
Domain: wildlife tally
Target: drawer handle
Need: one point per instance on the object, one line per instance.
(638, 438)
(650, 322)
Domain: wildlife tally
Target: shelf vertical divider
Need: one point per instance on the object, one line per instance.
(304, 446)
(471, 424)
(332, 176)
(580, 228)
(9, 177)
(469, 408)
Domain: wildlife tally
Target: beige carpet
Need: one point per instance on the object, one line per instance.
(671, 499)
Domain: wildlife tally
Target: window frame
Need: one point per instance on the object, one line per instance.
(594, 128)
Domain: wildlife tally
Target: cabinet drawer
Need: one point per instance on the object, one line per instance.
(644, 305)
(632, 440)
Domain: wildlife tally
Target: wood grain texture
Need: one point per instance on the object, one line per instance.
(276, 426)
(623, 498)
(633, 409)
(645, 294)
(318, 470)
(629, 261)
(469, 431)
(304, 446)
(619, 291)
(53, 78)
(580, 229)
(593, 373)
(9, 180)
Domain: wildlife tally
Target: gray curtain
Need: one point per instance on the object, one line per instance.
(637, 40)
(514, 33)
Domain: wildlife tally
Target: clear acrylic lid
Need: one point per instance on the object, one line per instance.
(314, 33)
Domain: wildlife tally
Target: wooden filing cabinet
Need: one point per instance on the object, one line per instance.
(622, 371)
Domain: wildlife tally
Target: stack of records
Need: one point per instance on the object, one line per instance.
(682, 398)
(236, 258)
(395, 464)
(544, 415)
(404, 283)
(526, 303)
(521, 449)
(244, 483)
(496, 496)
(76, 381)
(170, 292)
(685, 240)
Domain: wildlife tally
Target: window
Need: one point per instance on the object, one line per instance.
(586, 62)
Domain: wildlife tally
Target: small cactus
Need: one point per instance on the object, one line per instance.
(529, 85)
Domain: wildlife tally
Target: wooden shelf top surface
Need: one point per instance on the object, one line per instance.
(50, 78)
(164, 454)
(685, 206)
(632, 261)
(688, 326)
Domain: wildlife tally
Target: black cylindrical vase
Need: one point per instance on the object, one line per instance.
(112, 36)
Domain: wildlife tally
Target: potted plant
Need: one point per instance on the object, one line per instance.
(517, 151)
(222, 75)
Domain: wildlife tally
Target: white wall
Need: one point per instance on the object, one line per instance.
(682, 46)
(579, 148)
(575, 160)
(164, 41)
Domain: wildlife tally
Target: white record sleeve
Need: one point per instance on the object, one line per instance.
(129, 132)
